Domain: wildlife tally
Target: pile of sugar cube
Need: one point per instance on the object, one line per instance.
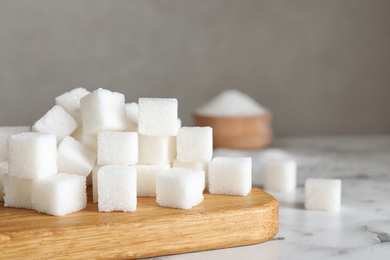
(124, 150)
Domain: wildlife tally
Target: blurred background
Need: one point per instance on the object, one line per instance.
(321, 67)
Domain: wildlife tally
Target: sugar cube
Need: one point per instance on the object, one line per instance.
(323, 194)
(196, 166)
(70, 101)
(59, 194)
(3, 170)
(117, 187)
(56, 121)
(195, 144)
(156, 149)
(103, 111)
(75, 158)
(280, 175)
(180, 188)
(157, 116)
(230, 175)
(32, 155)
(146, 178)
(5, 132)
(17, 192)
(117, 148)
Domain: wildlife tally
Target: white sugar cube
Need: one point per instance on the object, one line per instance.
(117, 148)
(103, 111)
(156, 149)
(196, 166)
(146, 178)
(280, 175)
(3, 170)
(5, 132)
(75, 158)
(230, 175)
(32, 155)
(70, 101)
(157, 116)
(17, 192)
(95, 191)
(180, 188)
(195, 144)
(56, 121)
(59, 194)
(117, 187)
(323, 194)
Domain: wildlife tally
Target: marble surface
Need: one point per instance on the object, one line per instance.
(361, 230)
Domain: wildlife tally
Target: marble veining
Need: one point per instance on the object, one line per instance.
(361, 230)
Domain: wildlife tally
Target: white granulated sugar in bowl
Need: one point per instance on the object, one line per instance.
(231, 103)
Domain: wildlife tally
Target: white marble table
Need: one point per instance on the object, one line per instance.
(361, 230)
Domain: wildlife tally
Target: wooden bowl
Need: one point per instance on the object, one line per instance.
(239, 132)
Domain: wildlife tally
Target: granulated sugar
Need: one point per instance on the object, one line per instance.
(231, 103)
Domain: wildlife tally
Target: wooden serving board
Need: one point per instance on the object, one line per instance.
(220, 221)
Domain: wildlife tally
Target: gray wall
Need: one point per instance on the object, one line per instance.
(322, 67)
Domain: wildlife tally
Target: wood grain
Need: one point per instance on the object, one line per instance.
(240, 132)
(220, 221)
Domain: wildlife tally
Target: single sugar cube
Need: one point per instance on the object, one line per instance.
(280, 175)
(95, 190)
(103, 111)
(75, 158)
(70, 101)
(230, 175)
(157, 116)
(196, 166)
(195, 144)
(156, 149)
(56, 121)
(59, 194)
(5, 132)
(117, 148)
(323, 194)
(3, 170)
(17, 192)
(180, 188)
(146, 178)
(32, 155)
(117, 188)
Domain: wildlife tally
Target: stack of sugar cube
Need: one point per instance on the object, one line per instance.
(125, 150)
(33, 181)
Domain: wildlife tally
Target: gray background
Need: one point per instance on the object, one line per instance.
(321, 67)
